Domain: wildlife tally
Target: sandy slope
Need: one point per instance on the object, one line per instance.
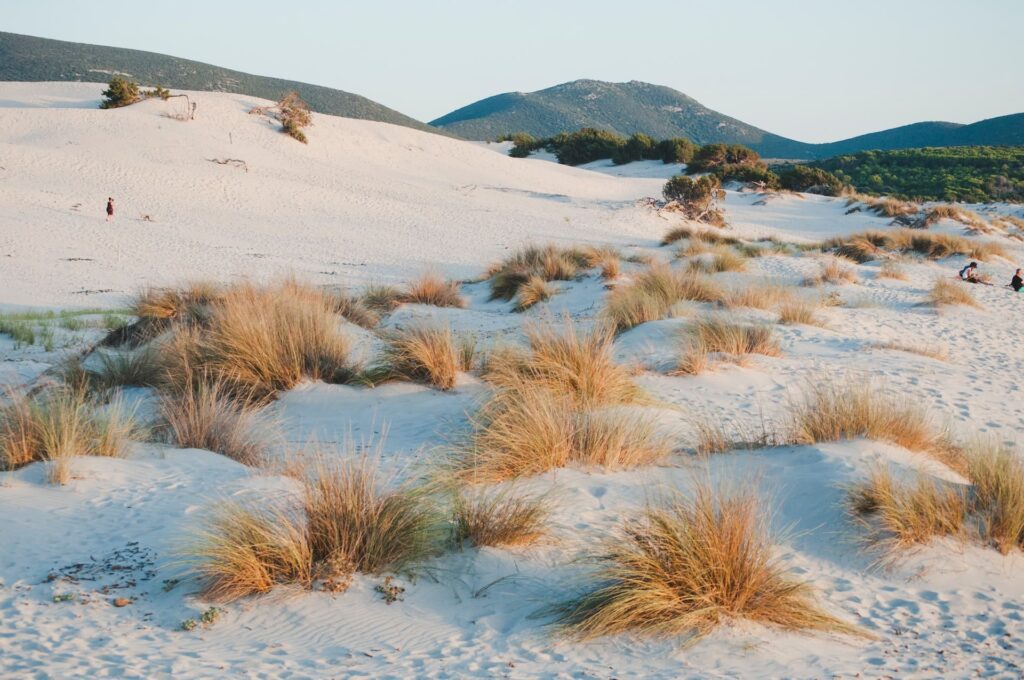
(366, 200)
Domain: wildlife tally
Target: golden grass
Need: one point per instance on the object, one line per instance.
(420, 353)
(432, 289)
(533, 291)
(900, 515)
(576, 364)
(249, 547)
(688, 565)
(721, 261)
(762, 295)
(873, 245)
(206, 417)
(260, 340)
(803, 312)
(59, 424)
(381, 298)
(835, 271)
(891, 270)
(357, 516)
(706, 235)
(891, 207)
(964, 216)
(355, 309)
(830, 411)
(347, 518)
(717, 335)
(526, 429)
(548, 262)
(187, 303)
(605, 258)
(951, 292)
(653, 294)
(998, 499)
(937, 352)
(499, 518)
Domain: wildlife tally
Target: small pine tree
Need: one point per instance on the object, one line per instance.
(120, 92)
(294, 115)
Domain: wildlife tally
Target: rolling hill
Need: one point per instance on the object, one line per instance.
(662, 112)
(30, 59)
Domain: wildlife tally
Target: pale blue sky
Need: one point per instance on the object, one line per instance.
(816, 70)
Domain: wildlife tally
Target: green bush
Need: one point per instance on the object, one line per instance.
(675, 150)
(752, 174)
(523, 145)
(697, 197)
(975, 174)
(120, 92)
(589, 144)
(711, 157)
(639, 147)
(816, 180)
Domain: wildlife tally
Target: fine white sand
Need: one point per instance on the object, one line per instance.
(366, 201)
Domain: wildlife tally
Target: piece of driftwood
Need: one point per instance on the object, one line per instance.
(233, 162)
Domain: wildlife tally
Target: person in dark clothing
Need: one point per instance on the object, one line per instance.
(110, 209)
(1017, 282)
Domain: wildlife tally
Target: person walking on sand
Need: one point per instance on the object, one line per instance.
(1017, 283)
(110, 209)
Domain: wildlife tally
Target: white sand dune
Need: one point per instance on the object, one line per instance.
(364, 201)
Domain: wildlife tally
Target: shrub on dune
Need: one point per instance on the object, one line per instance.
(831, 412)
(525, 429)
(653, 294)
(898, 515)
(688, 565)
(949, 292)
(799, 312)
(354, 309)
(381, 298)
(833, 271)
(874, 245)
(59, 424)
(533, 291)
(548, 262)
(263, 339)
(724, 260)
(347, 518)
(249, 547)
(891, 270)
(421, 353)
(433, 289)
(206, 417)
(498, 518)
(717, 335)
(998, 499)
(571, 363)
(762, 295)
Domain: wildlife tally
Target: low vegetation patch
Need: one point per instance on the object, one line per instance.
(348, 518)
(936, 352)
(799, 312)
(688, 565)
(58, 424)
(206, 417)
(875, 245)
(697, 198)
(485, 517)
(833, 271)
(717, 336)
(421, 353)
(548, 263)
(950, 292)
(830, 411)
(653, 294)
(432, 289)
(532, 292)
